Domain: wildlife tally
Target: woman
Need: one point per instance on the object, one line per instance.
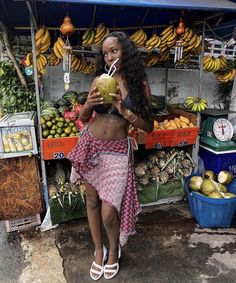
(103, 157)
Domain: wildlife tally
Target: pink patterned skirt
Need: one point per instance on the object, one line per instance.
(108, 167)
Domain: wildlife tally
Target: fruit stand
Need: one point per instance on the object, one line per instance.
(177, 45)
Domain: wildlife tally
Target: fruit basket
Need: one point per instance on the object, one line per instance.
(210, 212)
(17, 135)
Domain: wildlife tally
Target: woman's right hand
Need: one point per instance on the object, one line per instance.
(93, 99)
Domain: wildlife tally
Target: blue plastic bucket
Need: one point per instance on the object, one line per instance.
(210, 212)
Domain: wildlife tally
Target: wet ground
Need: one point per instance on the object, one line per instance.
(169, 247)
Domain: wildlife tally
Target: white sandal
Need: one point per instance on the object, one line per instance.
(94, 273)
(112, 269)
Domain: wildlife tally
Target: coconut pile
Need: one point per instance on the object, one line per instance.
(162, 166)
(212, 185)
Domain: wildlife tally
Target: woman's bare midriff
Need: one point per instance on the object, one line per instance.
(108, 127)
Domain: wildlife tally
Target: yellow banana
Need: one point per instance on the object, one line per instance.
(137, 36)
(190, 35)
(206, 59)
(198, 42)
(39, 34)
(74, 61)
(78, 64)
(167, 35)
(185, 35)
(60, 49)
(28, 59)
(91, 39)
(61, 43)
(86, 34)
(151, 40)
(44, 59)
(46, 37)
(100, 31)
(158, 43)
(172, 37)
(166, 30)
(57, 53)
(142, 39)
(192, 40)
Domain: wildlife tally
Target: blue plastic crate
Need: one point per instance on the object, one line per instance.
(218, 160)
(210, 212)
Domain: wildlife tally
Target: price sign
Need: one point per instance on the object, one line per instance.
(58, 155)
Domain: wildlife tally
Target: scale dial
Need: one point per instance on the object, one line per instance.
(223, 129)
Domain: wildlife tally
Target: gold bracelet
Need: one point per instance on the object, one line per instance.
(129, 114)
(136, 117)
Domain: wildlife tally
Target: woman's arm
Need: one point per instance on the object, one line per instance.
(93, 99)
(136, 120)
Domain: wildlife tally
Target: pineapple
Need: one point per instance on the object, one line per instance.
(186, 163)
(161, 162)
(160, 153)
(155, 172)
(52, 190)
(187, 171)
(60, 176)
(170, 168)
(140, 169)
(164, 177)
(152, 159)
(144, 180)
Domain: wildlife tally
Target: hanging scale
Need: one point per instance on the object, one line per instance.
(67, 63)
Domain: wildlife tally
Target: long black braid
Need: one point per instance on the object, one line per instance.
(133, 73)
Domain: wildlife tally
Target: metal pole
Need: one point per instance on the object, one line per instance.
(195, 149)
(166, 84)
(39, 129)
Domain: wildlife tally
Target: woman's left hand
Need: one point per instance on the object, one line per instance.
(118, 103)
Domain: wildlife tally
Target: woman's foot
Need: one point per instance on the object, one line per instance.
(111, 268)
(97, 267)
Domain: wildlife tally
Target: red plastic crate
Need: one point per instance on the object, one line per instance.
(171, 138)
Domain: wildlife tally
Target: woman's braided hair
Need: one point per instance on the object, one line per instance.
(133, 73)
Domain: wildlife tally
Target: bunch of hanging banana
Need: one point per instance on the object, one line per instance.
(58, 48)
(101, 32)
(151, 59)
(29, 59)
(196, 104)
(88, 38)
(53, 60)
(184, 60)
(42, 40)
(168, 38)
(191, 42)
(76, 63)
(212, 64)
(165, 55)
(90, 68)
(139, 37)
(41, 62)
(153, 42)
(226, 76)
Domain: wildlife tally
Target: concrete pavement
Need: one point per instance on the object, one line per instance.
(169, 247)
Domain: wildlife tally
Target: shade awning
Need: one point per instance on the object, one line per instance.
(126, 15)
(211, 5)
